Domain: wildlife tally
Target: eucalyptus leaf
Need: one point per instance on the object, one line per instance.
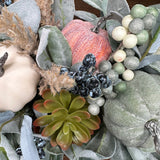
(121, 152)
(101, 146)
(136, 49)
(120, 6)
(63, 11)
(148, 60)
(104, 5)
(27, 144)
(87, 16)
(11, 153)
(95, 3)
(3, 154)
(28, 11)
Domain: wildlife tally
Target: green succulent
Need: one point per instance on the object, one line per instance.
(67, 121)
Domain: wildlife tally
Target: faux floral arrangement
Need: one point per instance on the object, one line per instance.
(85, 87)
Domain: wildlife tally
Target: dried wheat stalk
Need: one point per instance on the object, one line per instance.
(47, 16)
(23, 38)
(54, 80)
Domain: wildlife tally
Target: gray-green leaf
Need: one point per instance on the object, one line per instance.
(3, 154)
(95, 3)
(63, 11)
(87, 16)
(53, 47)
(5, 116)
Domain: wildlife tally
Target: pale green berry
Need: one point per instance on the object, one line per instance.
(138, 11)
(126, 21)
(93, 109)
(152, 10)
(119, 67)
(129, 52)
(128, 75)
(119, 55)
(149, 21)
(119, 33)
(120, 87)
(130, 41)
(105, 66)
(100, 102)
(142, 37)
(113, 75)
(131, 62)
(136, 25)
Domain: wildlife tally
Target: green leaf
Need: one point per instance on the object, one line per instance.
(80, 114)
(77, 103)
(40, 108)
(63, 11)
(65, 98)
(58, 48)
(87, 16)
(3, 154)
(41, 121)
(95, 3)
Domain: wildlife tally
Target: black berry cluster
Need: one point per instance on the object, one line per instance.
(40, 144)
(88, 83)
(5, 3)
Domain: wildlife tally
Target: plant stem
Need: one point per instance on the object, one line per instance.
(152, 41)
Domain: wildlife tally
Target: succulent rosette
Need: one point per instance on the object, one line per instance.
(67, 120)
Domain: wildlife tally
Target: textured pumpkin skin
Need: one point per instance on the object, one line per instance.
(83, 41)
(126, 115)
(19, 83)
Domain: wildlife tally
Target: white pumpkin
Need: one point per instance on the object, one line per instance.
(18, 85)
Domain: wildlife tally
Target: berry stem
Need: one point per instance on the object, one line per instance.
(152, 41)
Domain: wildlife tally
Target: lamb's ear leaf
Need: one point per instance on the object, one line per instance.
(53, 48)
(63, 11)
(87, 16)
(27, 6)
(3, 154)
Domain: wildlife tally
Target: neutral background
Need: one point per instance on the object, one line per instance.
(80, 5)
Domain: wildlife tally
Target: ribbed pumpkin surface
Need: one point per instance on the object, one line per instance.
(83, 41)
(126, 115)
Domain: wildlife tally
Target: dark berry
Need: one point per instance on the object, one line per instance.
(83, 91)
(41, 144)
(64, 70)
(95, 92)
(92, 82)
(79, 76)
(19, 151)
(71, 74)
(104, 80)
(89, 60)
(41, 153)
(83, 69)
(74, 90)
(7, 2)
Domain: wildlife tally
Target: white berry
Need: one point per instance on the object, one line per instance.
(93, 109)
(126, 21)
(130, 41)
(119, 56)
(100, 102)
(119, 33)
(128, 75)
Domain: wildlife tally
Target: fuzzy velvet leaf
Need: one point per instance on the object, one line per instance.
(41, 121)
(52, 128)
(63, 11)
(77, 103)
(65, 98)
(64, 140)
(95, 3)
(58, 48)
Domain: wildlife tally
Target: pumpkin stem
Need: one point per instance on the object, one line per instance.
(2, 62)
(153, 127)
(112, 15)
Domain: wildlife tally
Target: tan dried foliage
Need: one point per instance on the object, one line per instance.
(54, 80)
(47, 16)
(23, 38)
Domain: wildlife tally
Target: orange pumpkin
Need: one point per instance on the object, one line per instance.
(83, 40)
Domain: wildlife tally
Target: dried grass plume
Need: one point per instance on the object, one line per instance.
(20, 36)
(54, 80)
